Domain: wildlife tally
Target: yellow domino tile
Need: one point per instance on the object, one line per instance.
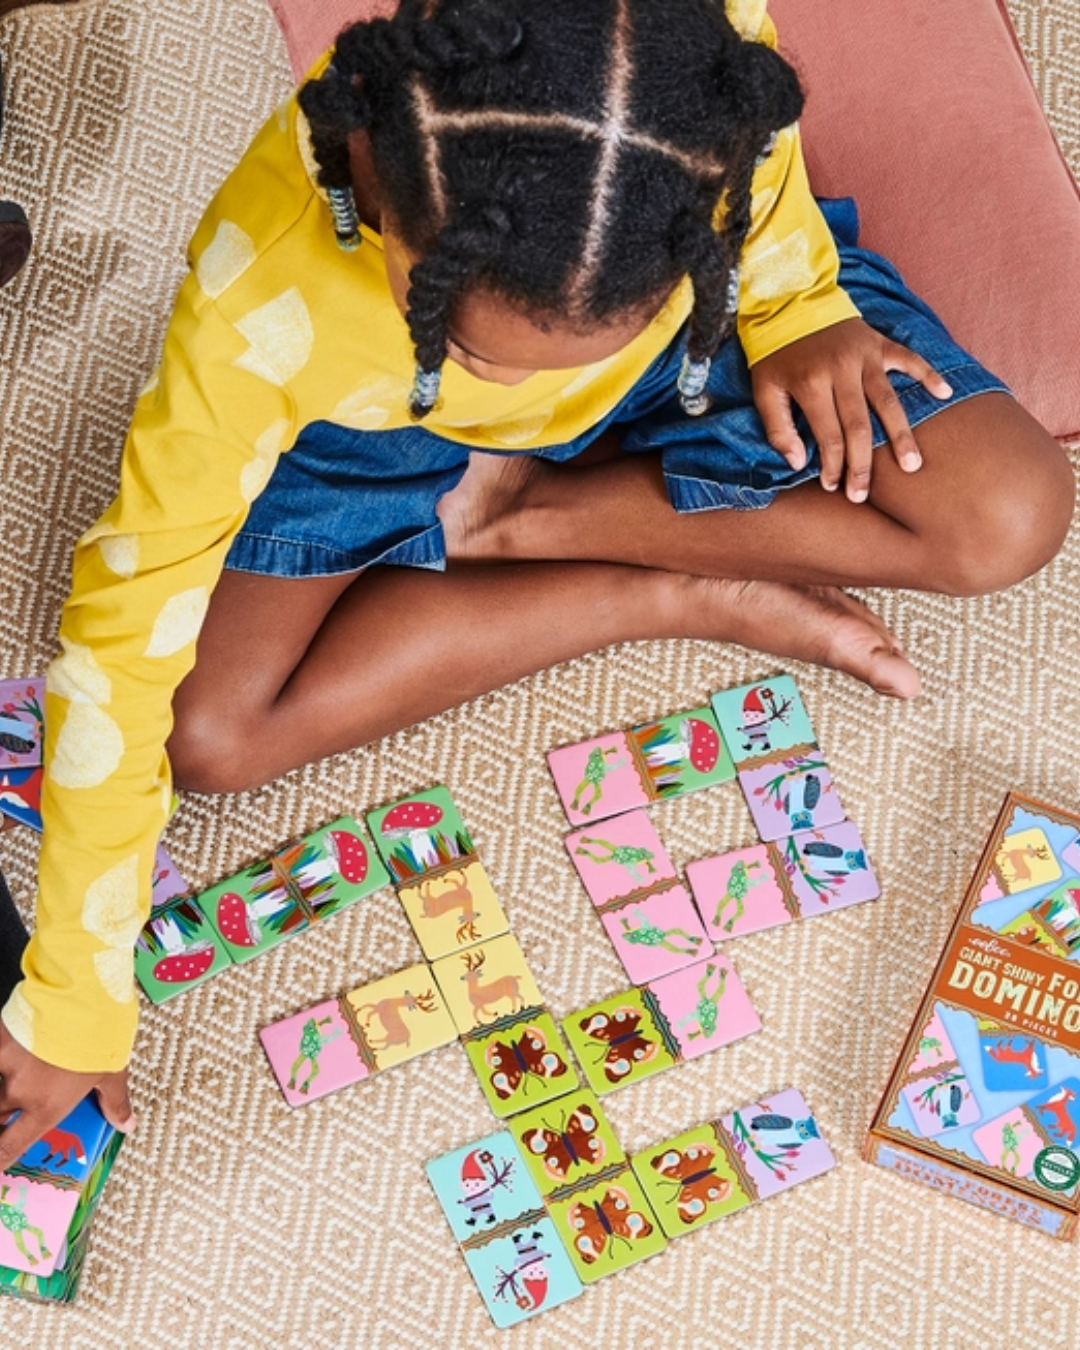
(486, 982)
(400, 1017)
(452, 908)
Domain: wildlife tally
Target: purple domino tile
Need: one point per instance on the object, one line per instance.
(828, 869)
(778, 1142)
(792, 794)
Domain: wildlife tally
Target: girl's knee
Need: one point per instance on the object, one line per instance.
(1020, 521)
(209, 753)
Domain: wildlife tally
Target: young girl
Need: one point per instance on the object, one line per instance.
(522, 228)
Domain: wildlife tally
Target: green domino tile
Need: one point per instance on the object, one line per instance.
(254, 910)
(566, 1141)
(681, 753)
(608, 1226)
(617, 1041)
(420, 833)
(690, 1180)
(521, 1062)
(335, 866)
(177, 949)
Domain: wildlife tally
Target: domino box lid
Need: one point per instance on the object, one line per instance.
(984, 1099)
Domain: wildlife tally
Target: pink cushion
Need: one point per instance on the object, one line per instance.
(925, 113)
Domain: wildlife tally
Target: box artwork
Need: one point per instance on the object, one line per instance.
(984, 1102)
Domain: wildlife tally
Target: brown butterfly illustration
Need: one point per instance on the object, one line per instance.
(575, 1144)
(695, 1178)
(521, 1059)
(598, 1222)
(626, 1046)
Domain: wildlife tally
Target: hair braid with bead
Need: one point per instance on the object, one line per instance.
(568, 157)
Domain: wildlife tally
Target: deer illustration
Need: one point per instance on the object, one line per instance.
(483, 996)
(453, 895)
(1057, 1108)
(389, 1013)
(1024, 1052)
(1017, 861)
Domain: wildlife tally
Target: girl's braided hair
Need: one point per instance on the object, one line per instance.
(567, 155)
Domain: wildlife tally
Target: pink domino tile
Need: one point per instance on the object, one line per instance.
(739, 892)
(597, 778)
(34, 1222)
(657, 934)
(313, 1053)
(791, 794)
(619, 857)
(706, 1006)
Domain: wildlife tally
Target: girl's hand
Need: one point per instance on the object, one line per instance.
(44, 1095)
(836, 376)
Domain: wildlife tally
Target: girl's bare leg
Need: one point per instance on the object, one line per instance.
(991, 504)
(321, 665)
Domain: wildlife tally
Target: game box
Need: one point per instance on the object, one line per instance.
(984, 1101)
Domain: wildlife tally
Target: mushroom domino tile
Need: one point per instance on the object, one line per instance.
(300, 884)
(725, 1165)
(420, 834)
(663, 758)
(188, 939)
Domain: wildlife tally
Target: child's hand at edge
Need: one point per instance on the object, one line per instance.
(835, 376)
(45, 1094)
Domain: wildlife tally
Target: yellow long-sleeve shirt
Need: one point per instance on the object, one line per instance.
(274, 328)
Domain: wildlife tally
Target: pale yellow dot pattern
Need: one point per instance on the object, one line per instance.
(88, 749)
(521, 430)
(255, 475)
(179, 622)
(778, 267)
(281, 337)
(370, 407)
(226, 258)
(586, 377)
(115, 970)
(76, 675)
(18, 1017)
(111, 905)
(119, 552)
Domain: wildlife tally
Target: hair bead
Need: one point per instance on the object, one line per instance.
(693, 377)
(346, 221)
(731, 303)
(425, 392)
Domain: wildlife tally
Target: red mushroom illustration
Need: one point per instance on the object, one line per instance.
(183, 961)
(238, 919)
(701, 744)
(350, 854)
(412, 821)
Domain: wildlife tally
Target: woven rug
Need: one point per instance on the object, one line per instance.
(232, 1222)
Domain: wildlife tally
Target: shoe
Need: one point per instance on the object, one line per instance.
(15, 240)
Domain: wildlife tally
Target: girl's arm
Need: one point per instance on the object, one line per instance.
(203, 441)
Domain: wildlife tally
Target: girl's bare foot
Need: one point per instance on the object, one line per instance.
(819, 624)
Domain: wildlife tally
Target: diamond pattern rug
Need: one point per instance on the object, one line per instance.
(232, 1222)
